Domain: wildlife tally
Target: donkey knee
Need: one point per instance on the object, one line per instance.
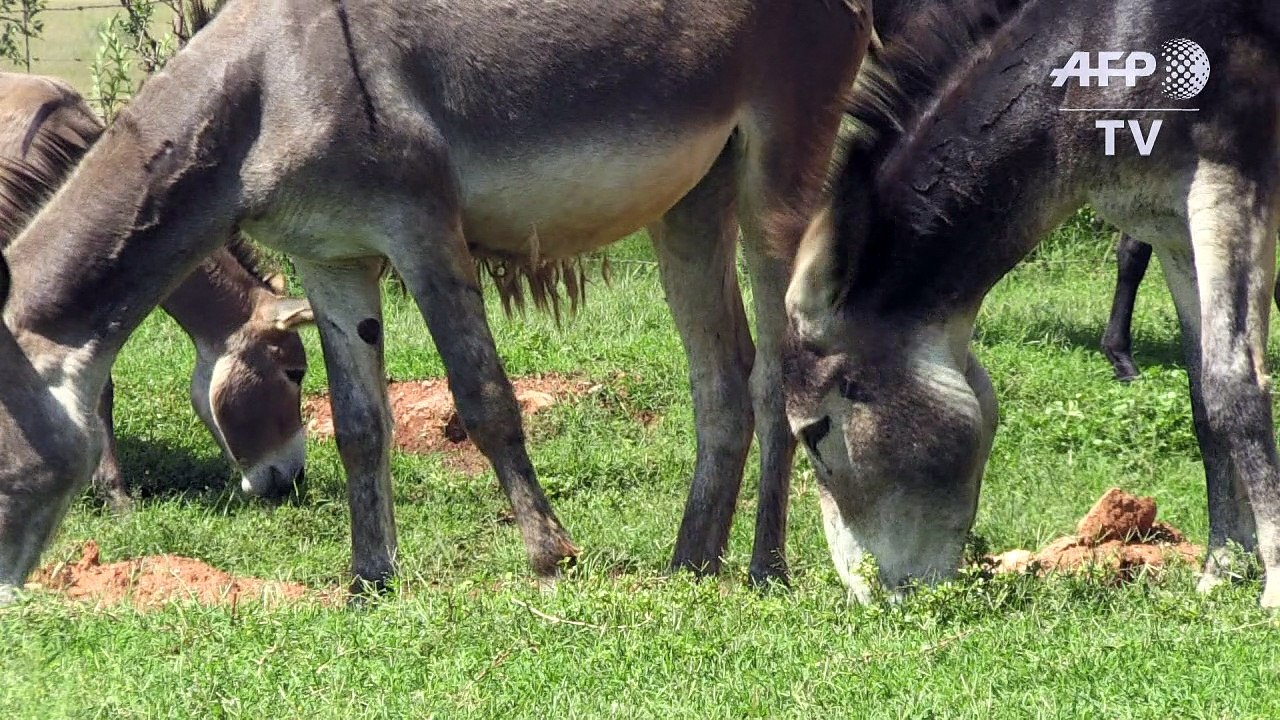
(490, 415)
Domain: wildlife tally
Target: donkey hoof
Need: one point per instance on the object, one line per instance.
(698, 566)
(1122, 364)
(554, 557)
(1270, 599)
(365, 588)
(773, 575)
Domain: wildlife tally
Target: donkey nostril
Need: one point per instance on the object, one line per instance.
(813, 433)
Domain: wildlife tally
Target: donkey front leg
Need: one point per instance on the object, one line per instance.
(1132, 258)
(347, 303)
(1233, 241)
(1230, 515)
(108, 481)
(440, 274)
(696, 243)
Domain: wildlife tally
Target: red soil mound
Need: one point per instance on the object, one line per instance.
(427, 422)
(155, 580)
(1119, 534)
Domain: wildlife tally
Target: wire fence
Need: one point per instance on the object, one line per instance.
(59, 33)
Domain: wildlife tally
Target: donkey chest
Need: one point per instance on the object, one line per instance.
(563, 200)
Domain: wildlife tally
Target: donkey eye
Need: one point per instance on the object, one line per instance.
(295, 376)
(853, 392)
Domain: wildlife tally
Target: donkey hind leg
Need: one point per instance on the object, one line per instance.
(1132, 258)
(348, 307)
(696, 245)
(439, 272)
(1233, 243)
(1230, 515)
(108, 481)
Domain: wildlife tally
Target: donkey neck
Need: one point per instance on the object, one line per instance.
(972, 183)
(212, 305)
(158, 192)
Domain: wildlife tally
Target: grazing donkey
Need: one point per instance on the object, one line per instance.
(963, 162)
(249, 360)
(434, 134)
(1132, 258)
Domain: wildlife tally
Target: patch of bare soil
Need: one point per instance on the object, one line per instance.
(155, 580)
(1119, 534)
(427, 422)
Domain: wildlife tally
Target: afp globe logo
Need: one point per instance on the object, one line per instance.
(1186, 67)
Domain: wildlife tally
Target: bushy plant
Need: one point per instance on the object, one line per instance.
(20, 23)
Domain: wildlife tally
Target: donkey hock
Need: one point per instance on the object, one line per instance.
(249, 360)
(963, 162)
(300, 121)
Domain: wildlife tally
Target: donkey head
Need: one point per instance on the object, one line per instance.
(895, 414)
(249, 393)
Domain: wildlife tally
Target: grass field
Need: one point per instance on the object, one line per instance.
(457, 638)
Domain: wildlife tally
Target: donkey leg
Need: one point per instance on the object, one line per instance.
(1233, 241)
(442, 279)
(696, 244)
(1132, 258)
(347, 303)
(108, 481)
(1230, 516)
(788, 151)
(769, 278)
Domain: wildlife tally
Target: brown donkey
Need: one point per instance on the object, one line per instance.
(250, 360)
(434, 134)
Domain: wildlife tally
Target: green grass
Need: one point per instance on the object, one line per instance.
(458, 637)
(69, 43)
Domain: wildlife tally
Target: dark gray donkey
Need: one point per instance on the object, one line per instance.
(964, 159)
(434, 134)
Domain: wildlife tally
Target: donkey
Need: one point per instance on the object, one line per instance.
(1132, 258)
(432, 135)
(250, 361)
(963, 161)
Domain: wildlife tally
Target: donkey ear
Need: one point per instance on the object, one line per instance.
(278, 284)
(815, 282)
(291, 313)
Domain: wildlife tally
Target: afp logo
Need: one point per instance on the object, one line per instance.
(1186, 67)
(1186, 73)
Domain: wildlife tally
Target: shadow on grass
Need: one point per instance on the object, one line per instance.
(1165, 351)
(162, 470)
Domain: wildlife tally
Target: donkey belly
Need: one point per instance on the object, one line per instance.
(559, 201)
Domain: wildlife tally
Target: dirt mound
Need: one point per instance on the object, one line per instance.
(155, 580)
(1119, 534)
(427, 422)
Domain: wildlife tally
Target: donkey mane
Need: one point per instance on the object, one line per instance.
(901, 84)
(25, 185)
(898, 80)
